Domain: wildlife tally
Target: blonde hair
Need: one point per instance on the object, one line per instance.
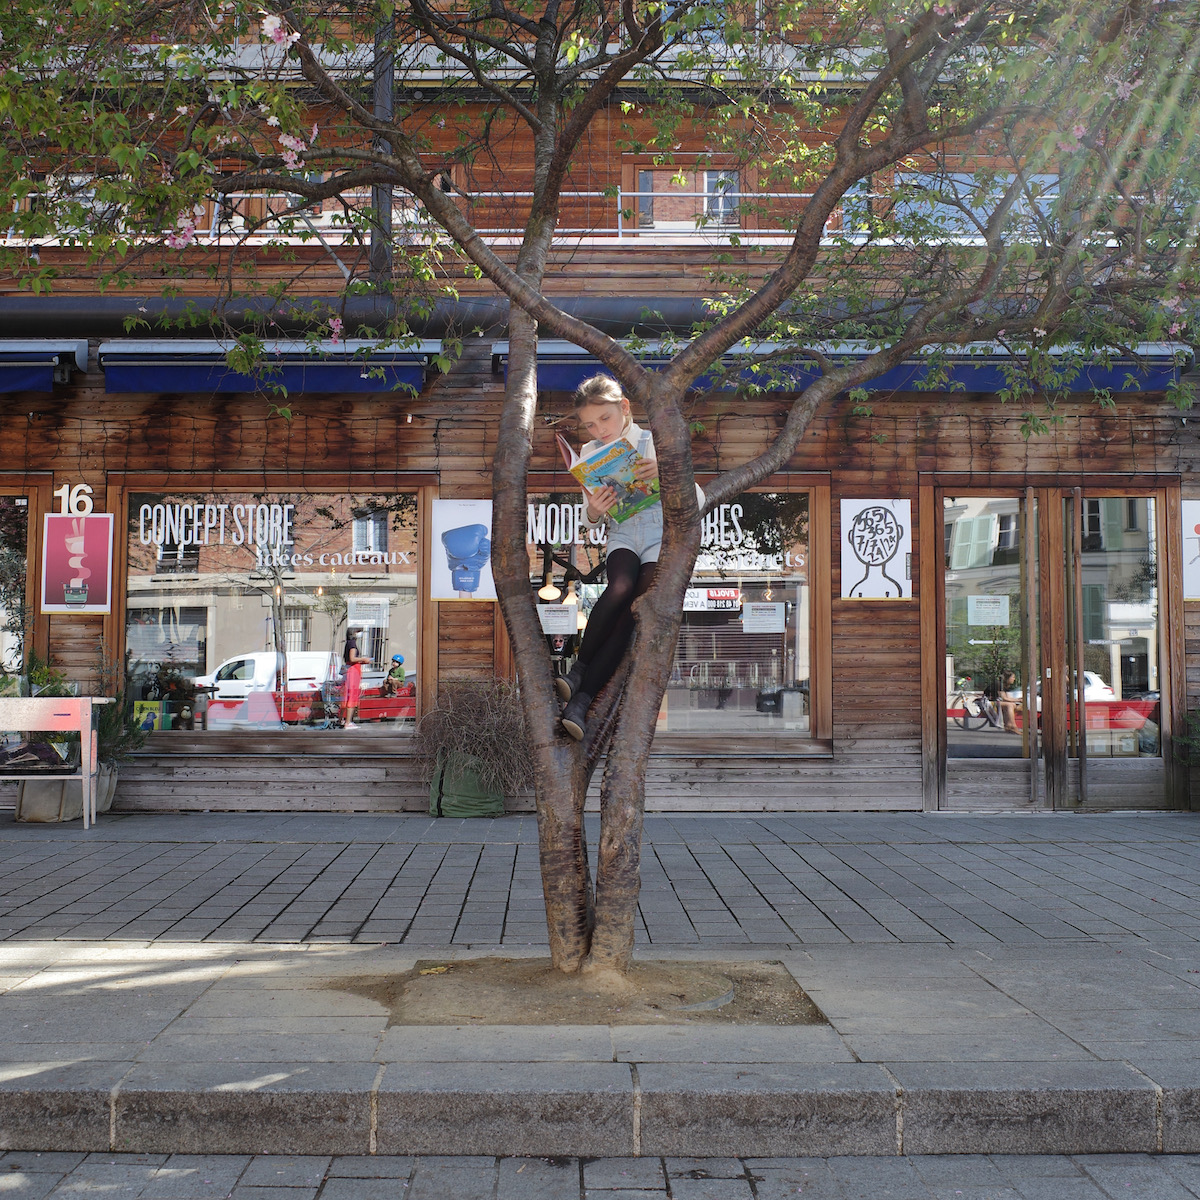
(599, 389)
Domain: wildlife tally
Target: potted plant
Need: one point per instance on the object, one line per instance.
(473, 748)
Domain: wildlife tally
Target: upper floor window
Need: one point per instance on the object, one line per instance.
(960, 203)
(722, 193)
(371, 533)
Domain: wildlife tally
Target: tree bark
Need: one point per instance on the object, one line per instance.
(658, 615)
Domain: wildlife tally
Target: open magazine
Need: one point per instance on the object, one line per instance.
(612, 465)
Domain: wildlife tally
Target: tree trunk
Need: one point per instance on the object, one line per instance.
(658, 614)
(560, 780)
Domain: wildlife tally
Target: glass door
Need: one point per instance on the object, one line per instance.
(1107, 694)
(1053, 633)
(991, 650)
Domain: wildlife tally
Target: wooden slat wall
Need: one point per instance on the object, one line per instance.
(83, 435)
(466, 639)
(1191, 649)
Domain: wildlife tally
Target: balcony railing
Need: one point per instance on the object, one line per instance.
(710, 217)
(694, 216)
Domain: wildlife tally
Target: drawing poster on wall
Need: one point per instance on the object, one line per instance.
(77, 563)
(461, 562)
(876, 550)
(1191, 549)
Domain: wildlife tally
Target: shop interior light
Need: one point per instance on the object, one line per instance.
(549, 590)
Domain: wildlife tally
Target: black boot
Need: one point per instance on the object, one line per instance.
(574, 717)
(567, 685)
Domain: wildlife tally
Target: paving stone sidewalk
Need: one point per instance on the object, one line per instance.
(29, 1176)
(1023, 985)
(784, 880)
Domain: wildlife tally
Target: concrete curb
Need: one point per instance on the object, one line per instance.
(601, 1109)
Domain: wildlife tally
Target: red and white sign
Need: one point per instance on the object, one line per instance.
(712, 599)
(77, 562)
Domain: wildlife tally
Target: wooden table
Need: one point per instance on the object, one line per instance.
(54, 714)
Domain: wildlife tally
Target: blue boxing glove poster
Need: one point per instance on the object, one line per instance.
(461, 554)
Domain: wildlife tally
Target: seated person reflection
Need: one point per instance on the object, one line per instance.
(1009, 702)
(395, 677)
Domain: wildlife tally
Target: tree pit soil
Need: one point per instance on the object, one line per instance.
(528, 991)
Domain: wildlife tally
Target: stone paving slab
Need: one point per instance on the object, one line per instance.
(779, 880)
(862, 1085)
(1058, 1008)
(383, 1177)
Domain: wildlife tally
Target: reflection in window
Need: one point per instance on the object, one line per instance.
(645, 200)
(743, 661)
(1119, 585)
(722, 190)
(370, 532)
(251, 634)
(295, 628)
(14, 614)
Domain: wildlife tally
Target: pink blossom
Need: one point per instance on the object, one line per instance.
(1174, 328)
(335, 329)
(293, 143)
(184, 232)
(1079, 131)
(292, 160)
(943, 10)
(273, 28)
(312, 137)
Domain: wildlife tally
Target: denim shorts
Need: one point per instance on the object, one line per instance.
(642, 534)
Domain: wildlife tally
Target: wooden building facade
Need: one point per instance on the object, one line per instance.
(1041, 653)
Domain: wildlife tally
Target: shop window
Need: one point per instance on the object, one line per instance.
(252, 637)
(743, 661)
(15, 615)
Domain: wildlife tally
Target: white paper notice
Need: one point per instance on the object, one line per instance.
(758, 617)
(987, 610)
(558, 618)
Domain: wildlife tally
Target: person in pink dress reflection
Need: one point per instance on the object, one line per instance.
(352, 688)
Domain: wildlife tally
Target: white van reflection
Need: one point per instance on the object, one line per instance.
(260, 671)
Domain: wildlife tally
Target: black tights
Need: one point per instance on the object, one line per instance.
(610, 623)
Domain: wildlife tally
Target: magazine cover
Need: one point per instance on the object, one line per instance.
(613, 465)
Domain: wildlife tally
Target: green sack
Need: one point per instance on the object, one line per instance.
(456, 791)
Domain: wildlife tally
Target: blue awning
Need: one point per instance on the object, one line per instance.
(35, 364)
(194, 365)
(563, 366)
